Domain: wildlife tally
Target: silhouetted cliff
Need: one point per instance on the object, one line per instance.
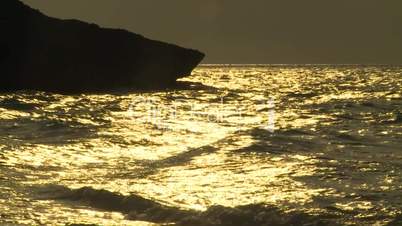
(42, 53)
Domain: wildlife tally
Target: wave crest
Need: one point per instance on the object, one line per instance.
(138, 208)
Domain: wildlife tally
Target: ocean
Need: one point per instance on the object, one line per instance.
(234, 145)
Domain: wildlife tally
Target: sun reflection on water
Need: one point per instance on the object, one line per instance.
(212, 150)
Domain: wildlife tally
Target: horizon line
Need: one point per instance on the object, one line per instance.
(295, 64)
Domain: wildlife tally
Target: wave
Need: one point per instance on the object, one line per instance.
(282, 141)
(15, 104)
(46, 131)
(140, 209)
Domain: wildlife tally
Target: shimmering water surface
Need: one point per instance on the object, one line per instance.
(323, 140)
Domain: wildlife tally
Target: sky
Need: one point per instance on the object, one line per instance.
(255, 31)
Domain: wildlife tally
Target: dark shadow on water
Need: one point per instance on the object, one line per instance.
(153, 167)
(17, 105)
(177, 86)
(29, 131)
(140, 209)
(281, 141)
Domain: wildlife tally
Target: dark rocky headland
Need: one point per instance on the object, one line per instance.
(38, 52)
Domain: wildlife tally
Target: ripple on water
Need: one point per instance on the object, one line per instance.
(333, 151)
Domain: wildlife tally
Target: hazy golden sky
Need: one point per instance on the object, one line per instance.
(255, 31)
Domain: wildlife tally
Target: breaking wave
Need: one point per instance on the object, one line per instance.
(141, 209)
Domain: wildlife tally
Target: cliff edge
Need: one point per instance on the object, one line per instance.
(38, 52)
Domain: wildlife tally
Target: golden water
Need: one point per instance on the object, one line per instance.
(320, 139)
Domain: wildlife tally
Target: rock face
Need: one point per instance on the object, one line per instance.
(38, 52)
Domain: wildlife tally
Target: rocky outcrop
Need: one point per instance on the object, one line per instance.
(38, 52)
